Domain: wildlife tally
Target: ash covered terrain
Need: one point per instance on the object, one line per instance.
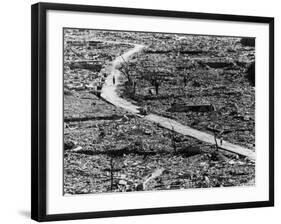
(153, 111)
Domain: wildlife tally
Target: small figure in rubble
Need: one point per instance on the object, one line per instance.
(185, 80)
(113, 80)
(221, 140)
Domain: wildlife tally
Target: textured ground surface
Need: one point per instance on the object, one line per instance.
(107, 149)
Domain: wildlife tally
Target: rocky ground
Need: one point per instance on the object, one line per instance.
(107, 149)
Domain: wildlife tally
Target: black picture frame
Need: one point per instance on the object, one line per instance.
(39, 108)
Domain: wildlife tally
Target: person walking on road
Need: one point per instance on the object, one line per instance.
(113, 80)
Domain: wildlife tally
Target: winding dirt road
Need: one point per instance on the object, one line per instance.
(109, 93)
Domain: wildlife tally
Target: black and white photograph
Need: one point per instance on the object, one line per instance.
(149, 111)
(140, 112)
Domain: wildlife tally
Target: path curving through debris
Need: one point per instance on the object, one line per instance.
(109, 89)
(109, 93)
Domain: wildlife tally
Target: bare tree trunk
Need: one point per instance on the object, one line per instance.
(215, 137)
(111, 173)
(173, 139)
(156, 89)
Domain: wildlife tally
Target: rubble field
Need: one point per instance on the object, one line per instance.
(107, 149)
(199, 70)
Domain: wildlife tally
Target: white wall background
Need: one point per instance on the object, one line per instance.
(15, 110)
